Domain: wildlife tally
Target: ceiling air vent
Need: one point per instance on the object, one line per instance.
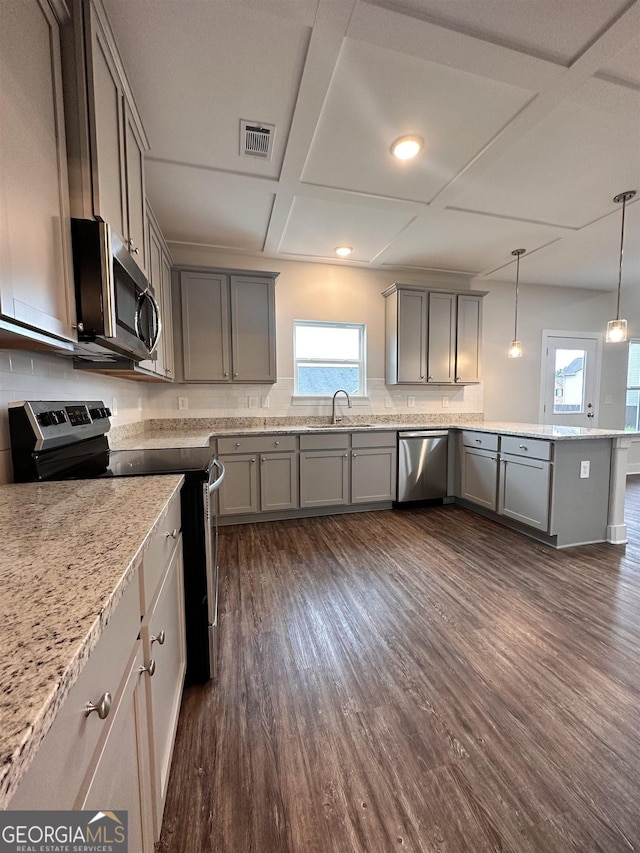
(256, 139)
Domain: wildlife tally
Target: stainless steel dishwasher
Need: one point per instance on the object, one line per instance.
(422, 465)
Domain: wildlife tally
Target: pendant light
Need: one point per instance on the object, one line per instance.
(515, 347)
(617, 329)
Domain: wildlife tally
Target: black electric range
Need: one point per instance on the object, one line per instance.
(63, 440)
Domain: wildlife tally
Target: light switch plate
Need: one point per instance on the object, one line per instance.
(411, 402)
(445, 402)
(387, 403)
(264, 402)
(183, 402)
(585, 467)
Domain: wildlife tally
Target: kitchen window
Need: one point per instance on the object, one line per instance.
(632, 410)
(328, 356)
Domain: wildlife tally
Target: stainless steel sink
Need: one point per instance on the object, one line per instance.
(338, 426)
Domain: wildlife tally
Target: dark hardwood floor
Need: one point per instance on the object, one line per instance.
(420, 680)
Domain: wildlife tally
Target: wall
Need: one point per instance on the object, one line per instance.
(33, 376)
(323, 292)
(512, 386)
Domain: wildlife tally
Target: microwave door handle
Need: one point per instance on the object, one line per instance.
(152, 343)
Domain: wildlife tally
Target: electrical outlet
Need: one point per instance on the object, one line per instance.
(411, 402)
(264, 402)
(139, 404)
(253, 402)
(585, 467)
(445, 402)
(387, 403)
(183, 402)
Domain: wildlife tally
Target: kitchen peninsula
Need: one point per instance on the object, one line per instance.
(578, 483)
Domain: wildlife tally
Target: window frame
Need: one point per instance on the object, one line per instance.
(632, 342)
(360, 362)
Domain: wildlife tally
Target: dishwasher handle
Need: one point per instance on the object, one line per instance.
(427, 433)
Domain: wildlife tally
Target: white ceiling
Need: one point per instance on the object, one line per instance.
(530, 112)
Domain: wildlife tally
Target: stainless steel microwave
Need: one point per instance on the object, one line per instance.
(116, 306)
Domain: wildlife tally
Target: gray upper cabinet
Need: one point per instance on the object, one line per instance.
(432, 336)
(106, 140)
(228, 326)
(36, 284)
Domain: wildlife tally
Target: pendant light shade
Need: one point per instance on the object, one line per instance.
(617, 329)
(515, 347)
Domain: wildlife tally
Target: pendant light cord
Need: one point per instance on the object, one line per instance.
(624, 205)
(515, 327)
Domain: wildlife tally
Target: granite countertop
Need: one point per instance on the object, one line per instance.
(69, 550)
(199, 432)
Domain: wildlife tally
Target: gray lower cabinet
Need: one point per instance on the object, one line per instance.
(523, 494)
(278, 481)
(479, 468)
(324, 470)
(262, 474)
(373, 467)
(240, 494)
(525, 481)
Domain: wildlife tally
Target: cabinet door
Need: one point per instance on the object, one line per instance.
(278, 481)
(163, 638)
(134, 183)
(253, 331)
(373, 475)
(469, 338)
(205, 327)
(36, 286)
(105, 96)
(121, 777)
(324, 478)
(441, 350)
(524, 490)
(239, 493)
(412, 336)
(479, 477)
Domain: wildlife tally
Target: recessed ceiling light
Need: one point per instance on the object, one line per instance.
(343, 251)
(407, 147)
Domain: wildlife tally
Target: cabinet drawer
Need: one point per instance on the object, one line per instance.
(69, 746)
(325, 441)
(374, 439)
(533, 447)
(158, 553)
(255, 444)
(485, 440)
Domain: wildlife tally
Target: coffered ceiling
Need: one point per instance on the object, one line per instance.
(529, 111)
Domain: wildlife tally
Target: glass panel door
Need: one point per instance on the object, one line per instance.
(570, 378)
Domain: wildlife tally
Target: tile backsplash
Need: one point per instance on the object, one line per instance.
(34, 376)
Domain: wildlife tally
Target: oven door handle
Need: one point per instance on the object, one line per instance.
(215, 486)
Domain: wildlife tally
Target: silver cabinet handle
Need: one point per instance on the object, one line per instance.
(173, 534)
(264, 459)
(478, 441)
(354, 455)
(277, 443)
(136, 250)
(523, 447)
(346, 455)
(226, 373)
(253, 460)
(235, 373)
(159, 639)
(429, 378)
(150, 668)
(102, 706)
(237, 444)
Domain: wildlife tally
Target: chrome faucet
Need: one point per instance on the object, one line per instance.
(334, 418)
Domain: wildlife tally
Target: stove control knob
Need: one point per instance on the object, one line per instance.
(44, 419)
